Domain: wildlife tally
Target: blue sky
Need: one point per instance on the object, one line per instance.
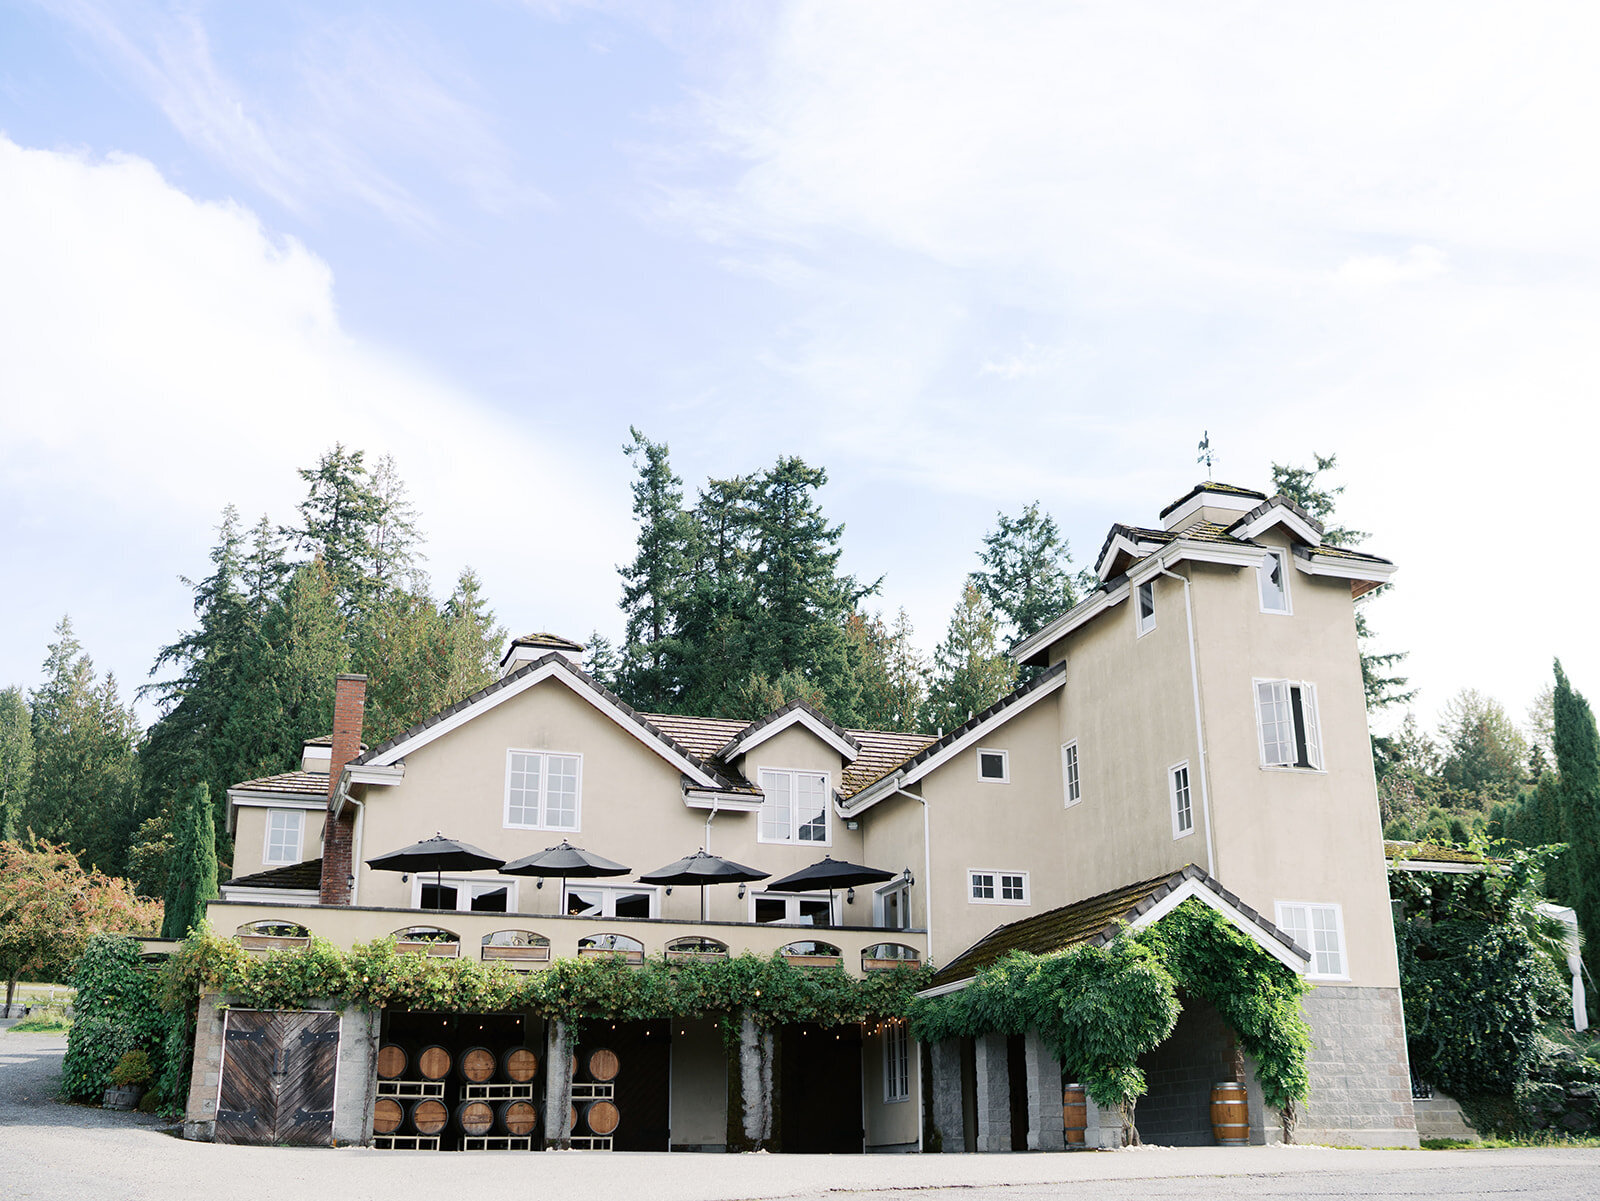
(964, 256)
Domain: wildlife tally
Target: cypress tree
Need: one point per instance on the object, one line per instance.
(192, 865)
(1578, 765)
(16, 758)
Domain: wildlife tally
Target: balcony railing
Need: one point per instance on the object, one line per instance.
(531, 941)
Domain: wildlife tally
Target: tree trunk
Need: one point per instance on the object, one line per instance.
(1287, 1118)
(11, 993)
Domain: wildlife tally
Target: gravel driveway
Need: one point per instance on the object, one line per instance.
(51, 1150)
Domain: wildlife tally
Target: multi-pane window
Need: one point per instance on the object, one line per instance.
(284, 829)
(792, 909)
(896, 1061)
(1274, 581)
(1069, 773)
(795, 806)
(1182, 805)
(465, 895)
(1147, 606)
(542, 790)
(1320, 930)
(1286, 713)
(994, 766)
(990, 887)
(610, 900)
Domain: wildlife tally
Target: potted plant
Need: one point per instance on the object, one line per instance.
(129, 1079)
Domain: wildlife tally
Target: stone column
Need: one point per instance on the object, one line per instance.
(944, 1094)
(558, 1044)
(755, 1085)
(994, 1094)
(1045, 1132)
(359, 1032)
(200, 1116)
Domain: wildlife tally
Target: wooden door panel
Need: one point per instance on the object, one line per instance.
(308, 1058)
(246, 1105)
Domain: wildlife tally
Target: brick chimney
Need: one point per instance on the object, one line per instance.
(338, 834)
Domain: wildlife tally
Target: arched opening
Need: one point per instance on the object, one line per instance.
(886, 956)
(516, 947)
(612, 946)
(690, 950)
(812, 953)
(428, 940)
(272, 935)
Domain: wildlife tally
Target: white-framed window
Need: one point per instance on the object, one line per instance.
(1286, 715)
(1145, 608)
(1272, 577)
(1182, 800)
(793, 909)
(543, 790)
(1319, 928)
(891, 906)
(990, 886)
(994, 766)
(896, 1061)
(285, 833)
(1071, 782)
(586, 899)
(794, 806)
(464, 894)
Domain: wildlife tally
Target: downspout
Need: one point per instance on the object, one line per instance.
(1199, 728)
(341, 798)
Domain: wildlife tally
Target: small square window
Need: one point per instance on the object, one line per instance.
(1147, 607)
(1012, 888)
(989, 887)
(994, 766)
(982, 886)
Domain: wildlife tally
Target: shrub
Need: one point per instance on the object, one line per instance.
(132, 1069)
(116, 1012)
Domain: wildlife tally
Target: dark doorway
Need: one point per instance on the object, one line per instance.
(1017, 1084)
(819, 1090)
(641, 1088)
(1201, 1050)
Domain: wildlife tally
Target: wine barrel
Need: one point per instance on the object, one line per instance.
(1230, 1114)
(433, 1062)
(602, 1117)
(429, 1116)
(392, 1061)
(519, 1065)
(477, 1065)
(601, 1065)
(572, 1121)
(475, 1118)
(519, 1118)
(388, 1115)
(1074, 1114)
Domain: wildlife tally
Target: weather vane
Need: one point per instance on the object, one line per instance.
(1205, 452)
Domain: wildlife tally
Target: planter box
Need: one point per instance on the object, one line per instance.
(271, 942)
(631, 958)
(695, 956)
(516, 955)
(816, 960)
(888, 965)
(439, 950)
(122, 1098)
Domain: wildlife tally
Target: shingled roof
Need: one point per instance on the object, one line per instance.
(1422, 853)
(303, 876)
(1095, 921)
(290, 783)
(1211, 486)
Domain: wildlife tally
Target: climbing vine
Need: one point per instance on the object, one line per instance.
(1100, 1008)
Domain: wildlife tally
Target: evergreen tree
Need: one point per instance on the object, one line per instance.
(1307, 489)
(970, 672)
(1484, 750)
(16, 758)
(891, 675)
(472, 640)
(653, 585)
(1578, 763)
(84, 791)
(192, 865)
(601, 661)
(1027, 577)
(717, 613)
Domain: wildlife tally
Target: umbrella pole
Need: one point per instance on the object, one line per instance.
(704, 913)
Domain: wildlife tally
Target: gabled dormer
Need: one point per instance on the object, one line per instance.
(530, 648)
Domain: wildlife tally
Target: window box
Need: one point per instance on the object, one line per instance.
(813, 954)
(272, 942)
(631, 958)
(438, 950)
(519, 954)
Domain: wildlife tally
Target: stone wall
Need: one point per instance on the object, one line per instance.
(1360, 1078)
(1176, 1111)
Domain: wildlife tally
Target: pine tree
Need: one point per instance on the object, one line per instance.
(717, 612)
(1484, 750)
(1027, 577)
(970, 671)
(1578, 763)
(472, 640)
(890, 673)
(84, 790)
(16, 758)
(1305, 487)
(601, 661)
(192, 865)
(654, 584)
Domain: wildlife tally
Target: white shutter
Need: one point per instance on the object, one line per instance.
(775, 809)
(1308, 708)
(1276, 722)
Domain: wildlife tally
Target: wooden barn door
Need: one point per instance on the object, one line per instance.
(278, 1069)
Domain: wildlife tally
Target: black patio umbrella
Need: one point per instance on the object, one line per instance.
(566, 861)
(702, 869)
(828, 874)
(436, 855)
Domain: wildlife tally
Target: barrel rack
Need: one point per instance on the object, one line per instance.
(406, 1142)
(585, 1091)
(411, 1089)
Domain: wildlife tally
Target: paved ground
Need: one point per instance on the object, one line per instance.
(50, 1150)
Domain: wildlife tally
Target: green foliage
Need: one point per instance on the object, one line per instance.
(133, 1068)
(1027, 571)
(116, 1011)
(1484, 753)
(1561, 1094)
(772, 991)
(192, 867)
(16, 758)
(892, 676)
(970, 670)
(1577, 751)
(1100, 1008)
(654, 585)
(44, 1019)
